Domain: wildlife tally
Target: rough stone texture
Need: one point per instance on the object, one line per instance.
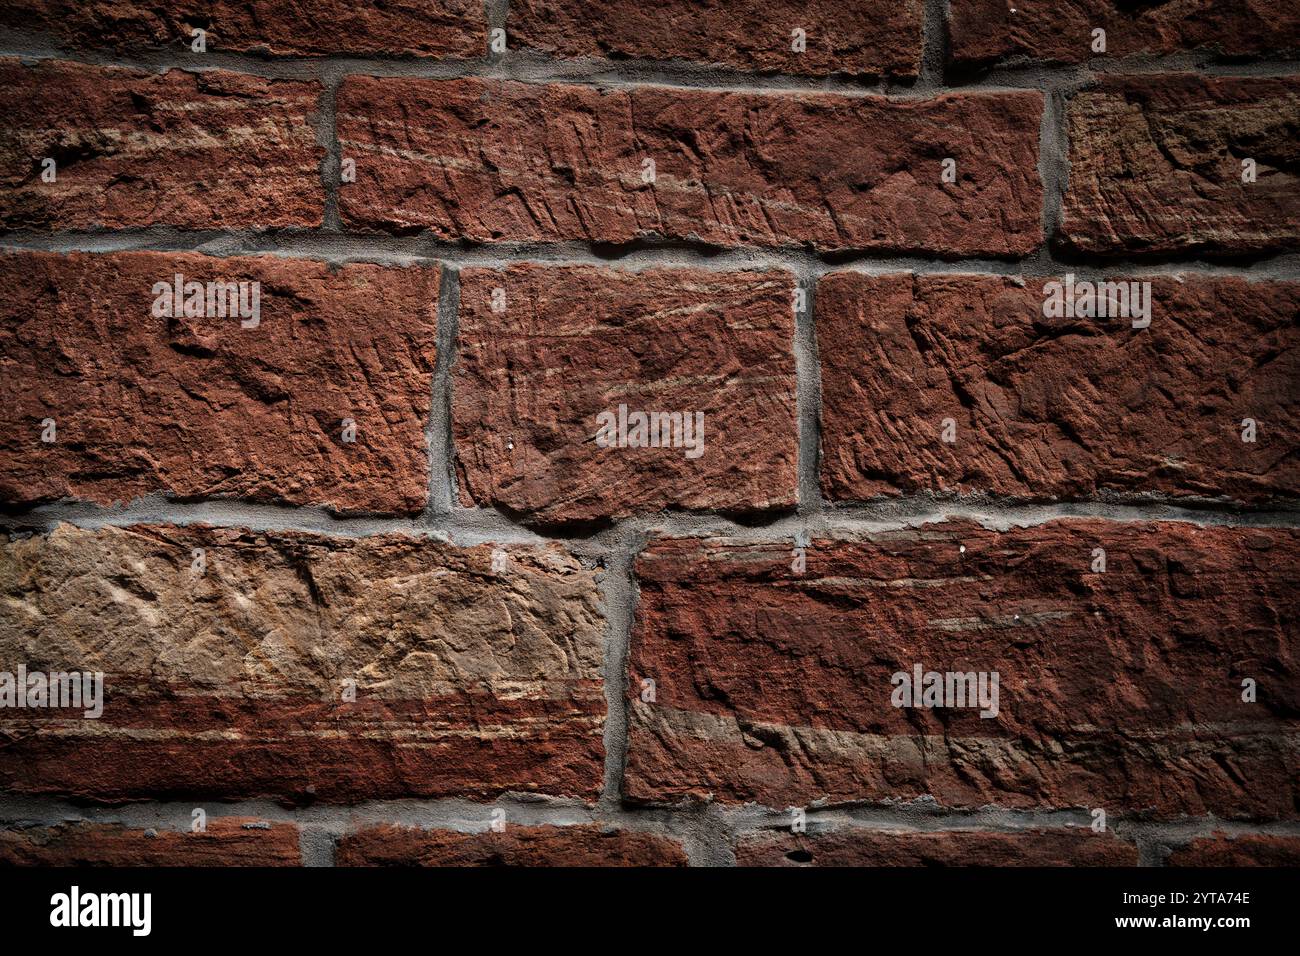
(572, 342)
(195, 150)
(501, 161)
(586, 845)
(864, 37)
(1052, 408)
(1223, 850)
(984, 31)
(855, 847)
(1156, 165)
(227, 842)
(203, 407)
(469, 682)
(1119, 690)
(310, 28)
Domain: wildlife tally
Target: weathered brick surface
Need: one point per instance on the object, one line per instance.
(1223, 850)
(197, 150)
(502, 161)
(204, 407)
(230, 683)
(586, 845)
(855, 847)
(1156, 165)
(864, 37)
(1119, 690)
(315, 28)
(1057, 407)
(570, 343)
(984, 31)
(626, 201)
(226, 842)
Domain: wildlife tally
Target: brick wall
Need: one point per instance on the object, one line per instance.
(372, 556)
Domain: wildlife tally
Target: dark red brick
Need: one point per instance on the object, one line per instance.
(315, 28)
(1120, 690)
(1060, 407)
(204, 407)
(854, 847)
(226, 842)
(1156, 166)
(586, 845)
(575, 342)
(982, 32)
(500, 161)
(866, 37)
(196, 150)
(1223, 850)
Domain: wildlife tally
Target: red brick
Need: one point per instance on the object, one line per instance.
(203, 407)
(586, 845)
(226, 842)
(867, 37)
(1119, 690)
(1156, 166)
(855, 847)
(1060, 407)
(195, 150)
(573, 342)
(317, 28)
(469, 681)
(984, 31)
(501, 161)
(1223, 850)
